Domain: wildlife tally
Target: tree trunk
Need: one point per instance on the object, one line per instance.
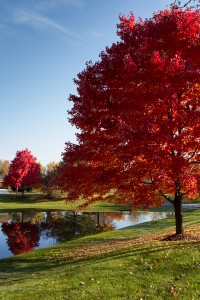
(178, 214)
(98, 219)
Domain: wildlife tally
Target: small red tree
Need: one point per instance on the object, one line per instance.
(23, 171)
(138, 113)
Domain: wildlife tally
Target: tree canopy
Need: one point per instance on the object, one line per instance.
(138, 114)
(23, 171)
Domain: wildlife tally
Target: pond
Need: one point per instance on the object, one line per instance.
(24, 231)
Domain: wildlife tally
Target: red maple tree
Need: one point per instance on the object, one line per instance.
(23, 171)
(138, 115)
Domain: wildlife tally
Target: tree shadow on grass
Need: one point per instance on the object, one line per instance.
(28, 199)
(54, 258)
(18, 268)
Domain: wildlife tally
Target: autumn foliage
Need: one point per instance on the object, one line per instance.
(138, 114)
(23, 171)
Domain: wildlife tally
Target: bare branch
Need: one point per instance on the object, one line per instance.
(188, 3)
(195, 162)
(193, 154)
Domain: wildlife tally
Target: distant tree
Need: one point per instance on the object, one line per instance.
(51, 166)
(23, 171)
(48, 183)
(49, 180)
(138, 115)
(48, 168)
(42, 169)
(4, 167)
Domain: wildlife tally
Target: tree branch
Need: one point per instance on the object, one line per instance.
(188, 3)
(193, 154)
(194, 162)
(166, 197)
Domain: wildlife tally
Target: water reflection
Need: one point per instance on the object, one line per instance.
(21, 237)
(28, 230)
(65, 226)
(133, 218)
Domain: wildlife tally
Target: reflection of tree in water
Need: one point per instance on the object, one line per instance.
(136, 216)
(104, 220)
(16, 217)
(161, 215)
(67, 225)
(64, 226)
(114, 216)
(22, 237)
(31, 216)
(4, 218)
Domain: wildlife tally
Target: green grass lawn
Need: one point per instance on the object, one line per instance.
(37, 201)
(133, 263)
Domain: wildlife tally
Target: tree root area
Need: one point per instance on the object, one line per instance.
(182, 237)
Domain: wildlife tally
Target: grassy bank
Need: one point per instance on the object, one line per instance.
(36, 201)
(133, 263)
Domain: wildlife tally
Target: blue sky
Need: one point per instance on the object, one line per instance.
(43, 45)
